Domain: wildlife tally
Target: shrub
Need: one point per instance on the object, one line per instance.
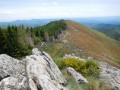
(88, 68)
(92, 68)
(59, 63)
(76, 64)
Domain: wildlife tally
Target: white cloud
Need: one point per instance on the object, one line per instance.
(7, 12)
(55, 3)
(58, 8)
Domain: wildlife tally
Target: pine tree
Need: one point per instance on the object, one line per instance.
(2, 41)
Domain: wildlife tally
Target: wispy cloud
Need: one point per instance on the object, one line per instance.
(30, 9)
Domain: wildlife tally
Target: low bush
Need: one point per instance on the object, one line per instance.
(92, 68)
(76, 64)
(87, 68)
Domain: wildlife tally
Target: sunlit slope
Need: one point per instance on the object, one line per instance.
(94, 43)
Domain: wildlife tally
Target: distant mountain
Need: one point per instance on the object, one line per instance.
(27, 23)
(110, 26)
(86, 21)
(98, 20)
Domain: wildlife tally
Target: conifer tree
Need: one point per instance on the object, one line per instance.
(2, 41)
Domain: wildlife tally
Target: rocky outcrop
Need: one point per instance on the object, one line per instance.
(78, 77)
(110, 75)
(73, 56)
(12, 74)
(35, 72)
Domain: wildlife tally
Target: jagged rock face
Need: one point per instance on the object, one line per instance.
(12, 73)
(78, 77)
(35, 72)
(111, 75)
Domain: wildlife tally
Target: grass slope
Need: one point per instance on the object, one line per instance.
(94, 43)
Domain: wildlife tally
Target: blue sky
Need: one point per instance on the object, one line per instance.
(39, 9)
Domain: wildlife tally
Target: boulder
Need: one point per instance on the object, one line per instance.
(35, 72)
(77, 76)
(12, 73)
(43, 72)
(73, 56)
(110, 75)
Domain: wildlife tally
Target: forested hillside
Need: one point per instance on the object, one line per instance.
(17, 41)
(50, 31)
(110, 30)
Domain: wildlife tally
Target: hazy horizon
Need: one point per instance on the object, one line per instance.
(11, 10)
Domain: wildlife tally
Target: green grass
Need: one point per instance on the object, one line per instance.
(96, 84)
(58, 49)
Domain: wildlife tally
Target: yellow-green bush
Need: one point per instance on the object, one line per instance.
(89, 67)
(76, 64)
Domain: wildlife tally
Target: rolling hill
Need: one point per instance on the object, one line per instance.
(111, 30)
(93, 43)
(110, 26)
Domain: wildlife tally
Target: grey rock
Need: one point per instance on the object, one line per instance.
(115, 88)
(35, 51)
(12, 73)
(12, 83)
(35, 72)
(73, 56)
(78, 77)
(54, 68)
(110, 75)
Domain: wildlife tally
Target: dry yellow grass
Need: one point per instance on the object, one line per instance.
(94, 43)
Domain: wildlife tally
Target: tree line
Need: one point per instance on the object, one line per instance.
(17, 41)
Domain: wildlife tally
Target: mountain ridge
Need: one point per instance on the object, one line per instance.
(94, 43)
(27, 23)
(84, 20)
